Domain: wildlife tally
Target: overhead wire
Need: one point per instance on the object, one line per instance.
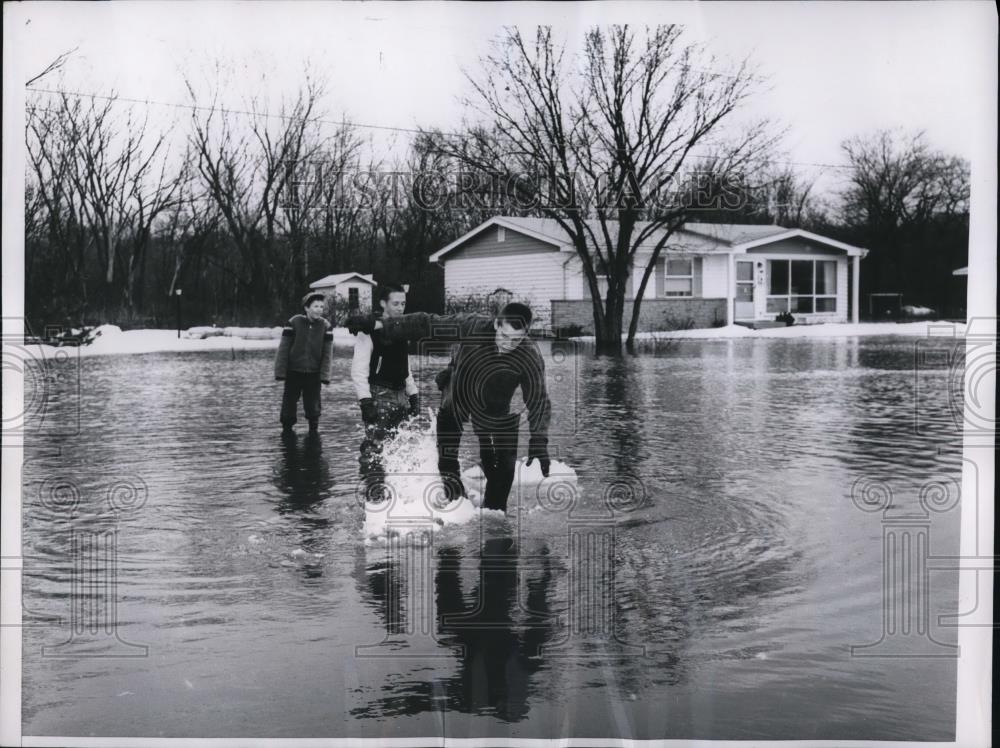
(318, 120)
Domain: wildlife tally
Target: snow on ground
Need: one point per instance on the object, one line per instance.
(111, 340)
(831, 330)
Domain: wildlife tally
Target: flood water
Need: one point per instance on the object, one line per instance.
(190, 573)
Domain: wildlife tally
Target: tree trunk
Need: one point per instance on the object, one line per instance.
(640, 292)
(608, 323)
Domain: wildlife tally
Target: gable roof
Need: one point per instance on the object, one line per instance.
(692, 237)
(734, 233)
(337, 278)
(544, 229)
(850, 249)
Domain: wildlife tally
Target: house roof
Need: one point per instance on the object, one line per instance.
(961, 271)
(692, 238)
(734, 233)
(337, 278)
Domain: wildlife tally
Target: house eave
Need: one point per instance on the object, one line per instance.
(849, 249)
(323, 283)
(495, 221)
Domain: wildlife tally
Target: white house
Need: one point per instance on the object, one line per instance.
(353, 288)
(707, 274)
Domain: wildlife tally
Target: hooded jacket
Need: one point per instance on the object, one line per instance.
(306, 347)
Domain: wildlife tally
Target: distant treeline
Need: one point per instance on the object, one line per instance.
(242, 216)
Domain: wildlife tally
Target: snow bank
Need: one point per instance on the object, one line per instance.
(110, 340)
(830, 330)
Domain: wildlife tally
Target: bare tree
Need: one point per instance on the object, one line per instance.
(57, 64)
(909, 204)
(607, 149)
(251, 165)
(123, 175)
(53, 213)
(898, 180)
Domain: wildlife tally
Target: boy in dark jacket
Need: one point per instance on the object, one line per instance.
(304, 360)
(387, 393)
(493, 357)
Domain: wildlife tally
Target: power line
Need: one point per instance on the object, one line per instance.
(195, 107)
(320, 120)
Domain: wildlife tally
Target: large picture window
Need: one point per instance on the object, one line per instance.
(801, 286)
(679, 280)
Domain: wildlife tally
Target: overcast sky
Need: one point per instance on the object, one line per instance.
(833, 69)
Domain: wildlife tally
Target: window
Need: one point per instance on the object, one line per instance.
(353, 302)
(501, 234)
(602, 285)
(679, 279)
(801, 286)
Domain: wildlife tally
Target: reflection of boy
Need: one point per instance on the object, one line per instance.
(385, 388)
(303, 361)
(493, 357)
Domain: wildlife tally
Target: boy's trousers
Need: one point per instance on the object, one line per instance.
(392, 408)
(307, 386)
(497, 451)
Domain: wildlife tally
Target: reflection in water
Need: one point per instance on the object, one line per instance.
(302, 473)
(500, 638)
(622, 392)
(497, 636)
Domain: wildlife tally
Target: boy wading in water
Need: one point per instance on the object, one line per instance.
(303, 362)
(385, 388)
(493, 357)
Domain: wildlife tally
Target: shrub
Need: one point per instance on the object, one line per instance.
(568, 331)
(486, 303)
(676, 323)
(785, 317)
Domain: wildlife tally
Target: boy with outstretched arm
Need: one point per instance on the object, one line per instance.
(493, 356)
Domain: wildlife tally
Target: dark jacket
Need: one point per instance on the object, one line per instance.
(483, 380)
(390, 362)
(305, 347)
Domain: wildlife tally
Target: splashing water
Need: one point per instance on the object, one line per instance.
(417, 503)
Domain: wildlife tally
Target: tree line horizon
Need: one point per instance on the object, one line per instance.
(244, 215)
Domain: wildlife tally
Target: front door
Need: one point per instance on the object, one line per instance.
(744, 309)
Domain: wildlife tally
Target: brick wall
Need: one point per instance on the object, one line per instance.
(654, 315)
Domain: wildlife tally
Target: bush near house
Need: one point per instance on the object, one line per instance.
(483, 302)
(568, 331)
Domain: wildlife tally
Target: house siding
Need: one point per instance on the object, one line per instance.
(843, 312)
(654, 315)
(715, 276)
(535, 278)
(485, 245)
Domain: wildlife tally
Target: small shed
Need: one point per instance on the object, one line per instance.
(352, 289)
